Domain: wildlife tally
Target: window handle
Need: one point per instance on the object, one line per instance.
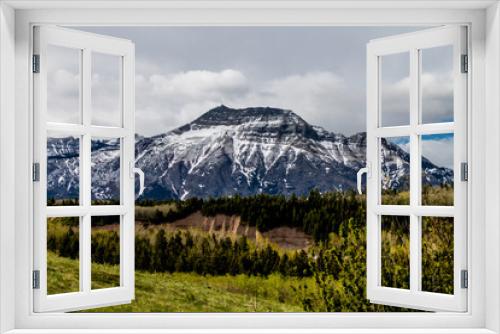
(136, 170)
(141, 180)
(359, 175)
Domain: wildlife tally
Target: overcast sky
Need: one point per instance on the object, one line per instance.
(318, 72)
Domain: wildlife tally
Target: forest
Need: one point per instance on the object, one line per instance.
(328, 276)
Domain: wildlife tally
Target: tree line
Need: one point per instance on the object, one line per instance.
(336, 262)
(182, 251)
(316, 214)
(209, 254)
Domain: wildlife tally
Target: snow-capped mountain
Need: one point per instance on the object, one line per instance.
(63, 168)
(237, 151)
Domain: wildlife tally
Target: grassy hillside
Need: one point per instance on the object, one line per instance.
(187, 266)
(184, 292)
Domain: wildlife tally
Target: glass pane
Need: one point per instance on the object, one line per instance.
(395, 251)
(437, 84)
(105, 168)
(395, 89)
(395, 170)
(63, 169)
(437, 254)
(437, 169)
(105, 252)
(63, 84)
(106, 89)
(63, 251)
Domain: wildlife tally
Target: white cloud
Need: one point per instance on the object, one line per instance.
(439, 151)
(437, 97)
(106, 99)
(63, 95)
(321, 98)
(106, 89)
(200, 85)
(395, 104)
(166, 102)
(63, 84)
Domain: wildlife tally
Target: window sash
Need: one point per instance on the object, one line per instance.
(414, 297)
(86, 297)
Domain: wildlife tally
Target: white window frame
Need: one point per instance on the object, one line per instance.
(86, 44)
(483, 18)
(411, 44)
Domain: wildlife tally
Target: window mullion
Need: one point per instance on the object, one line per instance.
(85, 227)
(415, 221)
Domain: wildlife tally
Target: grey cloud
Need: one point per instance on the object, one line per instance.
(439, 151)
(265, 56)
(319, 97)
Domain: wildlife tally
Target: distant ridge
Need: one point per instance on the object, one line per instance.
(245, 151)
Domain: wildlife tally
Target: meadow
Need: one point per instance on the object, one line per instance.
(196, 268)
(184, 292)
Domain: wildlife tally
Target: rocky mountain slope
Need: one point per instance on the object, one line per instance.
(236, 151)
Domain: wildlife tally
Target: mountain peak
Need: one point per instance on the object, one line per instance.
(223, 115)
(252, 120)
(228, 151)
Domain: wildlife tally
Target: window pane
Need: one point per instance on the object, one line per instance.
(437, 169)
(395, 170)
(437, 254)
(106, 89)
(63, 84)
(105, 168)
(395, 251)
(437, 84)
(63, 169)
(395, 89)
(63, 251)
(105, 252)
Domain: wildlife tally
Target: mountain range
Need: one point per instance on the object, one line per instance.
(230, 151)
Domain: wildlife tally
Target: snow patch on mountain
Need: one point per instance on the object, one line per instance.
(246, 151)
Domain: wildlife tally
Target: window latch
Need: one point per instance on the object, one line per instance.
(36, 64)
(36, 279)
(360, 173)
(134, 170)
(464, 171)
(36, 172)
(465, 64)
(464, 279)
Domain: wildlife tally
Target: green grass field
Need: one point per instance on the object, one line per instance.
(200, 271)
(184, 292)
